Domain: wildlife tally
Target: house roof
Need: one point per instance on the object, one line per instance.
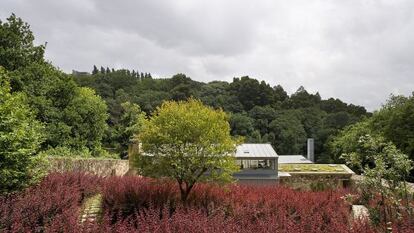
(255, 150)
(293, 159)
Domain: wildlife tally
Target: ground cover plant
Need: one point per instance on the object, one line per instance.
(136, 204)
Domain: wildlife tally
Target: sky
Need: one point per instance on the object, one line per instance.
(360, 51)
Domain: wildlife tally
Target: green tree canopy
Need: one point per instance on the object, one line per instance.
(288, 134)
(73, 117)
(16, 45)
(187, 140)
(86, 116)
(20, 139)
(395, 121)
(241, 124)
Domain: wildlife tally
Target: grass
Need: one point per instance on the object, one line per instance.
(311, 168)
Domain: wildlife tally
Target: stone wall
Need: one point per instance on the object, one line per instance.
(316, 181)
(100, 167)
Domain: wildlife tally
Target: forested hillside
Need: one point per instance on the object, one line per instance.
(258, 111)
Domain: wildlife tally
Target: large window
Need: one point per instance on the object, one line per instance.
(255, 164)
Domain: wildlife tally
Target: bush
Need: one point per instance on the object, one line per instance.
(54, 203)
(144, 205)
(135, 204)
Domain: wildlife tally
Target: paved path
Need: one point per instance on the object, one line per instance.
(92, 208)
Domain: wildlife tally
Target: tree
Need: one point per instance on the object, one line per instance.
(262, 117)
(189, 142)
(131, 124)
(86, 116)
(52, 95)
(302, 99)
(347, 142)
(95, 70)
(241, 124)
(385, 175)
(250, 92)
(16, 45)
(395, 121)
(288, 133)
(20, 139)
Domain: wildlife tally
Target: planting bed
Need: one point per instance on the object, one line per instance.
(133, 204)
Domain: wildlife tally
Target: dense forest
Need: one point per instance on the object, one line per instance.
(97, 114)
(258, 111)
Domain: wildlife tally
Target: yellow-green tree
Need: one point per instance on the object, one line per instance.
(189, 142)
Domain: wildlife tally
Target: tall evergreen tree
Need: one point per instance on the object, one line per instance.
(95, 70)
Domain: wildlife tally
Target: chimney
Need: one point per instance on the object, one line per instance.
(311, 150)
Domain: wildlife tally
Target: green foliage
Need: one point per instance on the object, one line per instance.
(67, 152)
(86, 115)
(130, 124)
(241, 124)
(73, 117)
(248, 100)
(251, 93)
(288, 131)
(385, 176)
(187, 140)
(20, 139)
(16, 45)
(395, 121)
(348, 142)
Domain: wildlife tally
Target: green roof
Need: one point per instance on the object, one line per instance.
(334, 168)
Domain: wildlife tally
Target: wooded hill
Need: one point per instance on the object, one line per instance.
(258, 111)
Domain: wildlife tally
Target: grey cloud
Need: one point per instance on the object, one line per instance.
(359, 51)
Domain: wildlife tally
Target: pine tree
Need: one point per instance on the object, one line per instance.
(108, 70)
(102, 70)
(95, 70)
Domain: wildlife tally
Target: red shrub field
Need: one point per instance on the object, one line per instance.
(134, 204)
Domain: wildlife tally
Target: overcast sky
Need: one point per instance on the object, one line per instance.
(358, 51)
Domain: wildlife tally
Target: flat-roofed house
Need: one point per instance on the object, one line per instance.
(258, 164)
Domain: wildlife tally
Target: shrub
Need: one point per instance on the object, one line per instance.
(141, 205)
(136, 204)
(125, 196)
(54, 203)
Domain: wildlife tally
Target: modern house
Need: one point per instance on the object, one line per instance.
(261, 165)
(258, 164)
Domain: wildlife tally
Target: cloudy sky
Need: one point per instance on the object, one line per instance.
(360, 51)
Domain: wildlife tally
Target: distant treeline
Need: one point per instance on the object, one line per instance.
(258, 111)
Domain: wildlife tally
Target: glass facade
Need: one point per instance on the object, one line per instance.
(248, 164)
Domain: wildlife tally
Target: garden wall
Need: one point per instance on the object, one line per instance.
(100, 167)
(315, 180)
